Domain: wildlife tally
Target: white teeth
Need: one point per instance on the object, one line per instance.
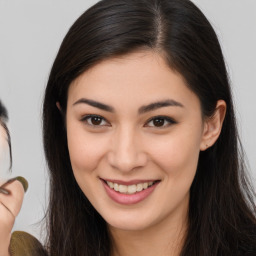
(139, 187)
(116, 187)
(110, 184)
(145, 185)
(131, 189)
(123, 189)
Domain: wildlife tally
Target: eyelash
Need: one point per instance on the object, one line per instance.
(89, 117)
(167, 121)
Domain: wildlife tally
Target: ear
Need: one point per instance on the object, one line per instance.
(61, 112)
(58, 106)
(213, 126)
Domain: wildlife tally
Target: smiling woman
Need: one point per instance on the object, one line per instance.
(140, 137)
(136, 160)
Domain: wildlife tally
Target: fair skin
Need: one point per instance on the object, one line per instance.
(10, 205)
(3, 151)
(132, 121)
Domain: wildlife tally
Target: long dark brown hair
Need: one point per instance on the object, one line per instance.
(222, 207)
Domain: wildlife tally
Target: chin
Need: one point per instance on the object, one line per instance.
(131, 220)
(129, 225)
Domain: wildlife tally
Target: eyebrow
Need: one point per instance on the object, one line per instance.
(95, 104)
(142, 109)
(159, 104)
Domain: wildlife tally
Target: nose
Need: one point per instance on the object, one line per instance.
(126, 152)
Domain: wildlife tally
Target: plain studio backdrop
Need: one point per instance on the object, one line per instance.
(31, 32)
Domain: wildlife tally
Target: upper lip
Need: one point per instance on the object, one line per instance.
(130, 182)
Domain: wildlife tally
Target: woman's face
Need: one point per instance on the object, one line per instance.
(131, 122)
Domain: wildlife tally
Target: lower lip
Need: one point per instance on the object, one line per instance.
(128, 199)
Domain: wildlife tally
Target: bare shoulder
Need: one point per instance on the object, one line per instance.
(23, 243)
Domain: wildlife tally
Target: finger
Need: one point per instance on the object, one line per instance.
(14, 200)
(6, 221)
(21, 179)
(6, 224)
(4, 191)
(7, 209)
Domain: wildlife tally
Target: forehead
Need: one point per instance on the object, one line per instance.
(140, 77)
(131, 81)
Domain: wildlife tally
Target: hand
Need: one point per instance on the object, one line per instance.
(11, 198)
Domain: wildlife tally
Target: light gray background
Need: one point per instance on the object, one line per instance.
(30, 34)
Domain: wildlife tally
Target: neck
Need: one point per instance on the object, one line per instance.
(162, 239)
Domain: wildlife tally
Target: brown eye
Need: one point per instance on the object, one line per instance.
(160, 122)
(94, 120)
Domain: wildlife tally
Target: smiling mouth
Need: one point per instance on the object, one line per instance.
(130, 189)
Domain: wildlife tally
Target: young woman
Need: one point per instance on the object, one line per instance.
(140, 137)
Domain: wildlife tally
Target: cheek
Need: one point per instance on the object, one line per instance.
(177, 154)
(86, 152)
(85, 149)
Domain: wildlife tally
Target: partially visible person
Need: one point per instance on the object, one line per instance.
(5, 143)
(11, 198)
